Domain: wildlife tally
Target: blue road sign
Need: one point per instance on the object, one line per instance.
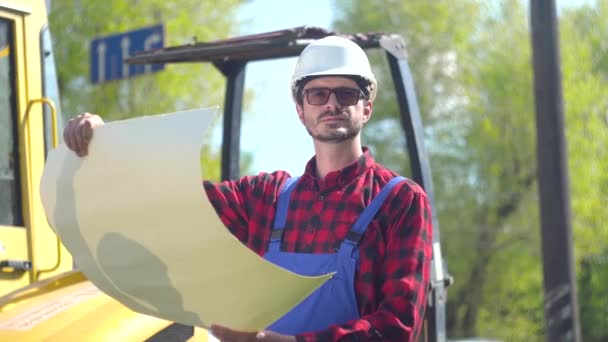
(108, 54)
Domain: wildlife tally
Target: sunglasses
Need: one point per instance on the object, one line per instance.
(345, 96)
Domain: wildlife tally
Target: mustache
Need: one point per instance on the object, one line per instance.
(337, 112)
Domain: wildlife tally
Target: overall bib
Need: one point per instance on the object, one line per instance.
(335, 301)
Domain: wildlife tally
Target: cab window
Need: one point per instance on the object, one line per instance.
(50, 89)
(10, 201)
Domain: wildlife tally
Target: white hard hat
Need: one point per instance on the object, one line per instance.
(333, 56)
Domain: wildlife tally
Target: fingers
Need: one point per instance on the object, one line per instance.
(76, 139)
(68, 133)
(83, 136)
(271, 336)
(79, 132)
(228, 335)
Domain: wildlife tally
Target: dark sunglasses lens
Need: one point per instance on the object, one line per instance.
(347, 96)
(317, 96)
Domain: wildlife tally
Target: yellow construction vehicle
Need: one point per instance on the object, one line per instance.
(43, 297)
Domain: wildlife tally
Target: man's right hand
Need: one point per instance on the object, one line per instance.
(78, 133)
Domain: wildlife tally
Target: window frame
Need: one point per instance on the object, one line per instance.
(50, 88)
(17, 210)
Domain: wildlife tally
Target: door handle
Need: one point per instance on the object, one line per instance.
(15, 266)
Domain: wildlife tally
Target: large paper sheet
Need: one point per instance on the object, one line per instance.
(135, 217)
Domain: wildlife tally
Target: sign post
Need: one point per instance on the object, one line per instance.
(107, 54)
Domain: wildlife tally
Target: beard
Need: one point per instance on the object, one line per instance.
(348, 128)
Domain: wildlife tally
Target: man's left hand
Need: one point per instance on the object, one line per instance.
(228, 335)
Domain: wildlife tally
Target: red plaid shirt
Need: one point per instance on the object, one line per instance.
(393, 276)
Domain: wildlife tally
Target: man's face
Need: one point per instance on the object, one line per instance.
(333, 122)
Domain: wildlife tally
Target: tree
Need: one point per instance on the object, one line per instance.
(585, 63)
(473, 74)
(178, 87)
(460, 82)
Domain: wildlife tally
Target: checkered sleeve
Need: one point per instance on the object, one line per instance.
(403, 281)
(236, 201)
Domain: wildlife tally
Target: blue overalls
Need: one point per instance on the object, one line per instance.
(334, 302)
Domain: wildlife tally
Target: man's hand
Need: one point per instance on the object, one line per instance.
(79, 132)
(228, 335)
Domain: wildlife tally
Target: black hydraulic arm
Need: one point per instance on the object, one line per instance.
(233, 108)
(411, 123)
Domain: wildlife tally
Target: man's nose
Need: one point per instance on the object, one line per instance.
(332, 101)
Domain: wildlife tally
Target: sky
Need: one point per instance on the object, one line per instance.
(271, 130)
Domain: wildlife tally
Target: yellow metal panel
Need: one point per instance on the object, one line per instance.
(77, 312)
(40, 288)
(32, 142)
(41, 246)
(21, 6)
(44, 248)
(200, 335)
(13, 243)
(14, 6)
(15, 239)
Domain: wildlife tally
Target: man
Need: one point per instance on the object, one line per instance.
(345, 214)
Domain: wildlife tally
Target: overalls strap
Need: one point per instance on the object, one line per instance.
(356, 232)
(280, 216)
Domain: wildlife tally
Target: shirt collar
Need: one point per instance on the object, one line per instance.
(339, 178)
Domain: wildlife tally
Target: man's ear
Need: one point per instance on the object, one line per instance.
(300, 112)
(367, 111)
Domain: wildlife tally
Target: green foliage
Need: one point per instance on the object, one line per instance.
(472, 69)
(593, 300)
(178, 87)
(586, 103)
(584, 32)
